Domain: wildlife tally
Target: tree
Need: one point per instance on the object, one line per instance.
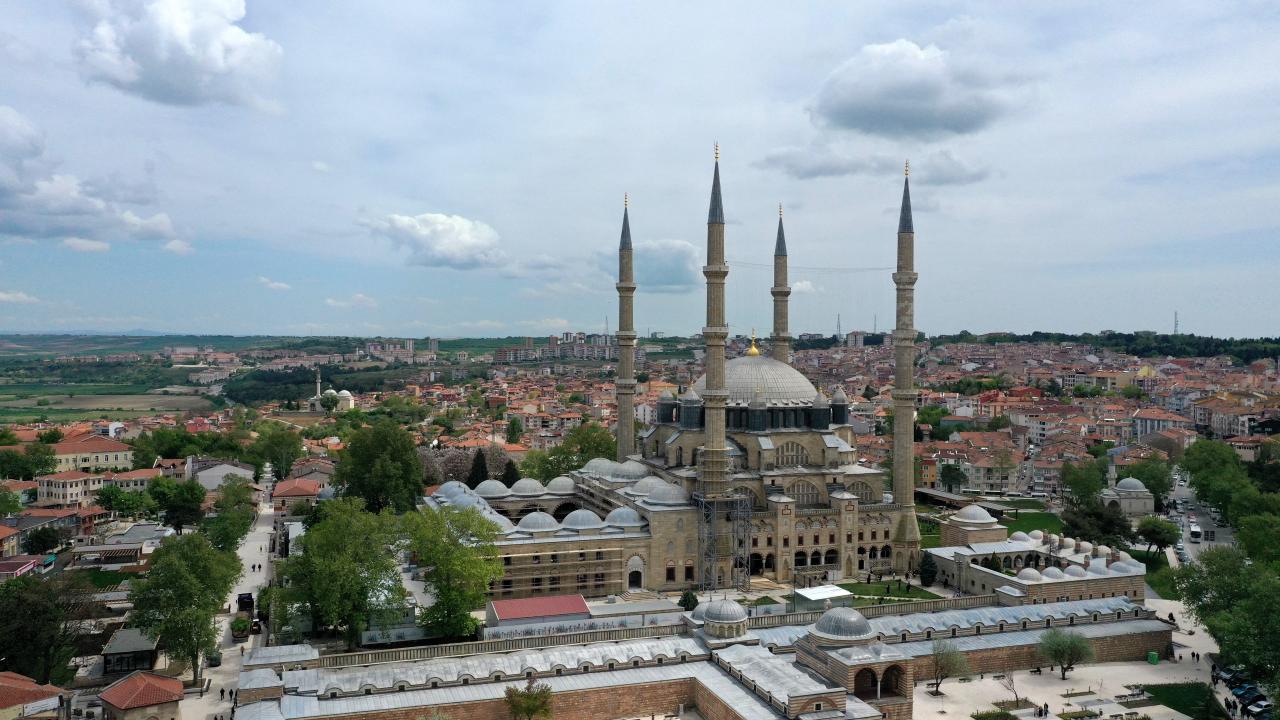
(952, 477)
(51, 436)
(1257, 536)
(184, 506)
(1065, 649)
(187, 585)
(479, 470)
(529, 703)
(1158, 533)
(1009, 683)
(948, 661)
(347, 585)
(10, 503)
(381, 466)
(41, 540)
(1155, 475)
(329, 402)
(40, 460)
(7, 436)
(1132, 392)
(38, 628)
(455, 549)
(277, 445)
(510, 473)
(583, 443)
(110, 497)
(928, 570)
(515, 428)
(1084, 482)
(1218, 581)
(688, 600)
(1102, 524)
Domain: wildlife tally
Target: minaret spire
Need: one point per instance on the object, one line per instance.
(626, 380)
(713, 470)
(906, 539)
(780, 342)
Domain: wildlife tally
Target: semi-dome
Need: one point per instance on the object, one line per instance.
(1131, 484)
(492, 489)
(582, 519)
(1052, 573)
(1020, 536)
(842, 623)
(724, 611)
(1074, 571)
(779, 383)
(562, 485)
(528, 487)
(973, 515)
(538, 522)
(668, 494)
(699, 612)
(1029, 574)
(623, 517)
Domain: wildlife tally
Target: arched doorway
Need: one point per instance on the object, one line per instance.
(831, 557)
(801, 559)
(865, 684)
(815, 558)
(891, 682)
(562, 511)
(757, 563)
(635, 572)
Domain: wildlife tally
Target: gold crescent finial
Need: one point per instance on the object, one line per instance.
(906, 169)
(717, 152)
(753, 350)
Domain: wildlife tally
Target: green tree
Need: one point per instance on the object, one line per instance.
(928, 570)
(1158, 533)
(583, 443)
(183, 508)
(329, 403)
(349, 586)
(1132, 392)
(931, 415)
(1155, 475)
(279, 446)
(1065, 649)
(40, 461)
(998, 422)
(7, 436)
(1102, 524)
(1258, 535)
(455, 549)
(515, 428)
(952, 477)
(1219, 580)
(110, 497)
(38, 628)
(382, 467)
(10, 503)
(41, 540)
(1084, 482)
(510, 473)
(479, 470)
(948, 661)
(162, 490)
(51, 436)
(529, 703)
(688, 600)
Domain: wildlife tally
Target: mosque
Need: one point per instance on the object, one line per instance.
(751, 471)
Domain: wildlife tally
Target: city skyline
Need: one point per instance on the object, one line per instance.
(459, 171)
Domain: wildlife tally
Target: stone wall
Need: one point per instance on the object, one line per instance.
(1021, 657)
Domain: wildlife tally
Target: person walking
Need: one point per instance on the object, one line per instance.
(222, 694)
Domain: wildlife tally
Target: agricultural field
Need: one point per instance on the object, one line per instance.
(77, 406)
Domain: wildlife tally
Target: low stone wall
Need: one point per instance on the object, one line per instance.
(1119, 648)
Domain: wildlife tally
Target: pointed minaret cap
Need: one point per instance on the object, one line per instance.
(715, 215)
(904, 219)
(820, 400)
(625, 243)
(839, 398)
(780, 247)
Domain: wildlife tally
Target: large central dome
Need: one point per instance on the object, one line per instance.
(778, 382)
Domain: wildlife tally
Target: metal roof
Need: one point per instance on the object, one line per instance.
(259, 678)
(277, 654)
(778, 674)
(993, 615)
(1030, 637)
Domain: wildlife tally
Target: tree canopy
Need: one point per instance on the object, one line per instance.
(583, 443)
(1065, 649)
(381, 466)
(38, 632)
(454, 547)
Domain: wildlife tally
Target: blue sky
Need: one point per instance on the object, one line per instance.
(457, 169)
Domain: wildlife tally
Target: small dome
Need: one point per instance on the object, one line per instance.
(1102, 551)
(1084, 546)
(631, 470)
(839, 398)
(645, 486)
(1053, 538)
(690, 397)
(1067, 543)
(668, 494)
(538, 522)
(1122, 555)
(820, 400)
(1074, 571)
(344, 393)
(724, 611)
(1098, 567)
(492, 489)
(527, 487)
(623, 517)
(699, 612)
(973, 515)
(582, 519)
(1132, 484)
(842, 623)
(452, 489)
(562, 485)
(1028, 574)
(331, 392)
(1020, 536)
(1052, 573)
(1036, 535)
(599, 466)
(1126, 568)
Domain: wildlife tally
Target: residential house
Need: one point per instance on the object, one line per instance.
(23, 697)
(92, 453)
(68, 488)
(143, 696)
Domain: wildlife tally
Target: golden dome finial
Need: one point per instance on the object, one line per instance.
(906, 169)
(753, 350)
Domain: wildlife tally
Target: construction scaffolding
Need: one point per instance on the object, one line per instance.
(724, 535)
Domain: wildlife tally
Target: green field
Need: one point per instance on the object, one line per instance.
(1022, 503)
(1028, 521)
(1187, 698)
(878, 589)
(40, 345)
(95, 406)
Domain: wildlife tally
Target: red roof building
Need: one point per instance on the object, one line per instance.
(549, 608)
(22, 696)
(142, 690)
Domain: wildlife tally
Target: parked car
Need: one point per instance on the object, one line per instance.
(213, 659)
(1258, 708)
(1250, 697)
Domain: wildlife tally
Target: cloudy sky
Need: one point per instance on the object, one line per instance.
(458, 168)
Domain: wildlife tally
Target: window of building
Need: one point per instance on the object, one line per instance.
(786, 542)
(599, 554)
(688, 572)
(768, 541)
(671, 574)
(799, 539)
(831, 538)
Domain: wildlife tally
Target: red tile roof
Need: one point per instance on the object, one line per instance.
(298, 487)
(540, 607)
(5, 532)
(144, 473)
(16, 690)
(142, 689)
(90, 443)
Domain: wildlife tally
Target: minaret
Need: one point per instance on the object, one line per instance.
(906, 540)
(715, 455)
(626, 380)
(781, 291)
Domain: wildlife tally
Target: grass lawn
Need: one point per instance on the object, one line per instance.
(766, 600)
(107, 578)
(1028, 521)
(1186, 698)
(878, 589)
(930, 541)
(1159, 574)
(1022, 503)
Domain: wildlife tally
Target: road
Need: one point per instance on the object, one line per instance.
(1223, 533)
(253, 551)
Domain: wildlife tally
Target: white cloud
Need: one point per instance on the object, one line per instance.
(156, 227)
(178, 247)
(902, 90)
(437, 240)
(178, 52)
(270, 284)
(86, 245)
(546, 324)
(805, 287)
(320, 166)
(940, 167)
(359, 300)
(17, 296)
(663, 266)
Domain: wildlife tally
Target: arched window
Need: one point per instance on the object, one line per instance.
(864, 492)
(792, 453)
(805, 494)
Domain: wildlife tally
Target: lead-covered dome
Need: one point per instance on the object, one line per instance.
(724, 611)
(582, 519)
(1052, 573)
(623, 517)
(1029, 574)
(668, 494)
(562, 485)
(842, 623)
(527, 487)
(492, 489)
(974, 515)
(1132, 484)
(538, 521)
(779, 383)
